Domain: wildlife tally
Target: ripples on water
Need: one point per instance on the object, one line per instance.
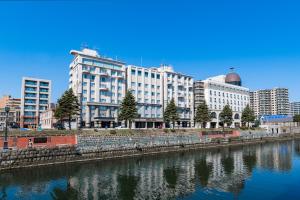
(267, 171)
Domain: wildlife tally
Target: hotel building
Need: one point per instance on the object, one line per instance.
(270, 102)
(99, 83)
(179, 87)
(35, 98)
(146, 84)
(225, 90)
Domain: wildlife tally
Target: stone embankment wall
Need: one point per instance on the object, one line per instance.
(107, 143)
(27, 157)
(103, 147)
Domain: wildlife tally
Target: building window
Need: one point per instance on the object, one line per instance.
(140, 84)
(146, 74)
(133, 72)
(139, 73)
(152, 75)
(157, 76)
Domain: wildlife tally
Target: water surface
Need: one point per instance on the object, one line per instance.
(263, 171)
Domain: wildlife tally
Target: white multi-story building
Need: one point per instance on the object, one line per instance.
(225, 90)
(270, 102)
(295, 108)
(146, 84)
(35, 98)
(99, 83)
(179, 87)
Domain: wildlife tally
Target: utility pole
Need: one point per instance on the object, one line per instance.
(5, 144)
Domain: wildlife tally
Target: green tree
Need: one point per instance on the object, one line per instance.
(127, 185)
(128, 110)
(202, 115)
(170, 114)
(226, 116)
(171, 176)
(297, 119)
(228, 164)
(67, 107)
(203, 169)
(248, 116)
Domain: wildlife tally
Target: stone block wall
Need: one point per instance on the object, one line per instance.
(25, 157)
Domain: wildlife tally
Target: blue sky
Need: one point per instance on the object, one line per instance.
(260, 38)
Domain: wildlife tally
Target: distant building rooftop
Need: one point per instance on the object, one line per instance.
(276, 118)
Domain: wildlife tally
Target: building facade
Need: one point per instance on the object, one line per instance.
(295, 108)
(199, 97)
(13, 118)
(47, 119)
(146, 84)
(15, 105)
(35, 98)
(99, 83)
(179, 87)
(225, 90)
(9, 101)
(270, 102)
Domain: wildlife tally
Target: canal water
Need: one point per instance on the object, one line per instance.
(262, 171)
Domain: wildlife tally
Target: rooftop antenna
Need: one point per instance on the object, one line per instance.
(231, 69)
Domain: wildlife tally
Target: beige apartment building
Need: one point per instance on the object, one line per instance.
(270, 102)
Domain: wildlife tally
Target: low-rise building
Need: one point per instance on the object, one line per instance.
(47, 119)
(13, 118)
(14, 106)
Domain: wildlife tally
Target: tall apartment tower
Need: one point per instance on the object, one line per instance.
(146, 84)
(270, 102)
(35, 98)
(99, 83)
(179, 87)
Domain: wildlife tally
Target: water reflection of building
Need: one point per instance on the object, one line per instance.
(164, 176)
(275, 156)
(150, 177)
(228, 169)
(220, 178)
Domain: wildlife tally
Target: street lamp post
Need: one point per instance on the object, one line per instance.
(5, 144)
